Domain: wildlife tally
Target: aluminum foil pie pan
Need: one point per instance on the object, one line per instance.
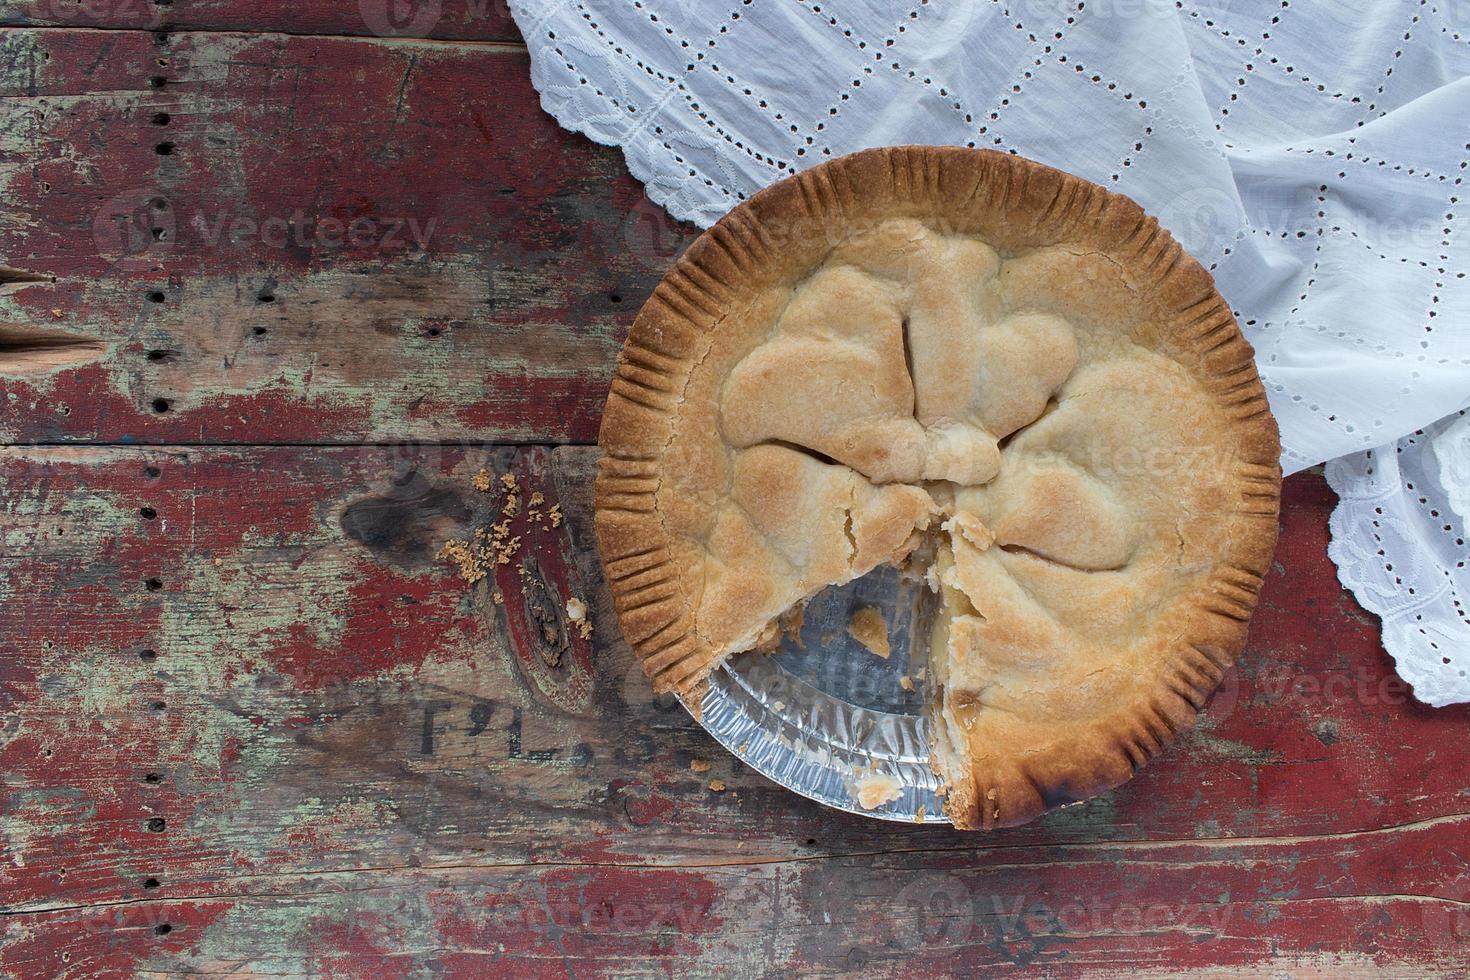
(824, 716)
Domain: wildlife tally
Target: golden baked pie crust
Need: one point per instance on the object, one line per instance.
(753, 452)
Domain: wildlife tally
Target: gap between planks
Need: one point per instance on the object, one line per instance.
(508, 47)
(764, 861)
(377, 444)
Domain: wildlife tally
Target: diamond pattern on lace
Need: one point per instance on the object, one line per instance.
(1304, 150)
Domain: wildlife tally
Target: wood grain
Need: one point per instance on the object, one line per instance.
(440, 262)
(343, 732)
(270, 304)
(482, 20)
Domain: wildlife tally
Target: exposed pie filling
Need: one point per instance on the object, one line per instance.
(1009, 415)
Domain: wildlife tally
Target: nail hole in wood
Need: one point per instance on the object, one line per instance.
(260, 331)
(150, 883)
(157, 825)
(157, 81)
(160, 405)
(155, 297)
(433, 331)
(153, 584)
(162, 929)
(158, 355)
(159, 234)
(148, 656)
(615, 298)
(266, 297)
(164, 149)
(159, 706)
(147, 513)
(161, 118)
(153, 778)
(151, 472)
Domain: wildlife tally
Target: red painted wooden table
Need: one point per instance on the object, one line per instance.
(279, 299)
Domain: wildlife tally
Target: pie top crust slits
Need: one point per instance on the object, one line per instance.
(1008, 378)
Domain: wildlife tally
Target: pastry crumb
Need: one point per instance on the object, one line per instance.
(699, 765)
(498, 599)
(717, 785)
(769, 638)
(555, 514)
(919, 814)
(906, 682)
(577, 613)
(876, 789)
(470, 561)
(481, 480)
(869, 628)
(971, 529)
(791, 622)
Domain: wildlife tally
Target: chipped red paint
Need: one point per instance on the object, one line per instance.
(361, 764)
(373, 275)
(487, 20)
(536, 585)
(391, 625)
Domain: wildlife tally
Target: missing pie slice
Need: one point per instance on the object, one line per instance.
(1001, 375)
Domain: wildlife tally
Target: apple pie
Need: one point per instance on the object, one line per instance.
(1003, 378)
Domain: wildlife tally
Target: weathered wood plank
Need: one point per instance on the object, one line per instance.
(1054, 911)
(276, 666)
(345, 241)
(485, 20)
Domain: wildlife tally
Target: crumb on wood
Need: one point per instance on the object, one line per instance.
(906, 682)
(577, 613)
(468, 558)
(919, 814)
(537, 498)
(717, 785)
(699, 765)
(481, 481)
(555, 515)
(498, 598)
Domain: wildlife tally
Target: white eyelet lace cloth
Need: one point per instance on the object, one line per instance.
(1312, 153)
